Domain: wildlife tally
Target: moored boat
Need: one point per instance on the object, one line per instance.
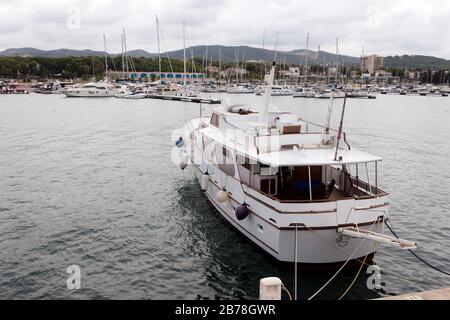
(292, 187)
(92, 90)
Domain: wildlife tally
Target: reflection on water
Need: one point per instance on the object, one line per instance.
(90, 182)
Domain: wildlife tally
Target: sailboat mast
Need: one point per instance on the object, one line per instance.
(318, 61)
(306, 63)
(243, 66)
(237, 65)
(123, 58)
(275, 58)
(220, 65)
(337, 60)
(184, 57)
(206, 62)
(106, 56)
(159, 47)
(125, 47)
(263, 65)
(93, 67)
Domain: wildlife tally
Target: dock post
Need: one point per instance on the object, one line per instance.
(270, 289)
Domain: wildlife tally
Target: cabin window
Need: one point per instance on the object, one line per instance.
(224, 162)
(215, 120)
(246, 163)
(243, 161)
(269, 186)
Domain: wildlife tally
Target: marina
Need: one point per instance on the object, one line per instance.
(182, 226)
(156, 153)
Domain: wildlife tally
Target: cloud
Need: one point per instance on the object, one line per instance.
(381, 26)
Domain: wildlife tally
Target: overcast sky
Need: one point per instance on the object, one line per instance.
(385, 27)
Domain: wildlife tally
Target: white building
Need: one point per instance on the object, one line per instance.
(371, 63)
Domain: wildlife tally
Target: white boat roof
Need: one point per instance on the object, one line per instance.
(315, 157)
(295, 157)
(288, 150)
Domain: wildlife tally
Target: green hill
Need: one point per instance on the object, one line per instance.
(416, 62)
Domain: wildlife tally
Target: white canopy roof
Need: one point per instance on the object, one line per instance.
(315, 157)
(296, 157)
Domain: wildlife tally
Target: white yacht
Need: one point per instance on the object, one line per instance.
(240, 89)
(304, 93)
(294, 188)
(281, 91)
(260, 90)
(359, 94)
(277, 91)
(92, 90)
(326, 94)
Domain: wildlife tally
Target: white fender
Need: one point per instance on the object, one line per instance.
(222, 196)
(204, 182)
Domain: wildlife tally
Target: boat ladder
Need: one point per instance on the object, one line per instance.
(381, 238)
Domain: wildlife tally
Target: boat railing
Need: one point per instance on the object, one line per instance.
(352, 186)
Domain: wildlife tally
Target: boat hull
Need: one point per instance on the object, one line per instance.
(90, 94)
(315, 246)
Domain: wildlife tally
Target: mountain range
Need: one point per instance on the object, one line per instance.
(230, 54)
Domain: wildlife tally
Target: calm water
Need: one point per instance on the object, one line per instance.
(90, 182)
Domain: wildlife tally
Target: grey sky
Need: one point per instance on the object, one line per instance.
(381, 26)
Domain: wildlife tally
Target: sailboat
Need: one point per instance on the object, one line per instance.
(296, 189)
(305, 91)
(183, 93)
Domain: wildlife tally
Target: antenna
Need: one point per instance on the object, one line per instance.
(340, 128)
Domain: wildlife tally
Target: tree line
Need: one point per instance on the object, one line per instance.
(25, 68)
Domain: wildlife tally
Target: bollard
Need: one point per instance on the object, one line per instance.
(270, 289)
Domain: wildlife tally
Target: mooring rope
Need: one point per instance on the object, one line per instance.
(359, 272)
(343, 266)
(416, 255)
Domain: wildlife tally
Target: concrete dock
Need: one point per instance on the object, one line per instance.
(441, 294)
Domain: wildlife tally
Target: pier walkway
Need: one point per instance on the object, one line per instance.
(441, 294)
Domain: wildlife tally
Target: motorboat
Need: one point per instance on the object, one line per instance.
(92, 90)
(240, 89)
(296, 189)
(304, 93)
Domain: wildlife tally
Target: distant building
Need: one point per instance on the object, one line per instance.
(213, 69)
(383, 74)
(258, 61)
(371, 64)
(287, 73)
(413, 75)
(233, 72)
